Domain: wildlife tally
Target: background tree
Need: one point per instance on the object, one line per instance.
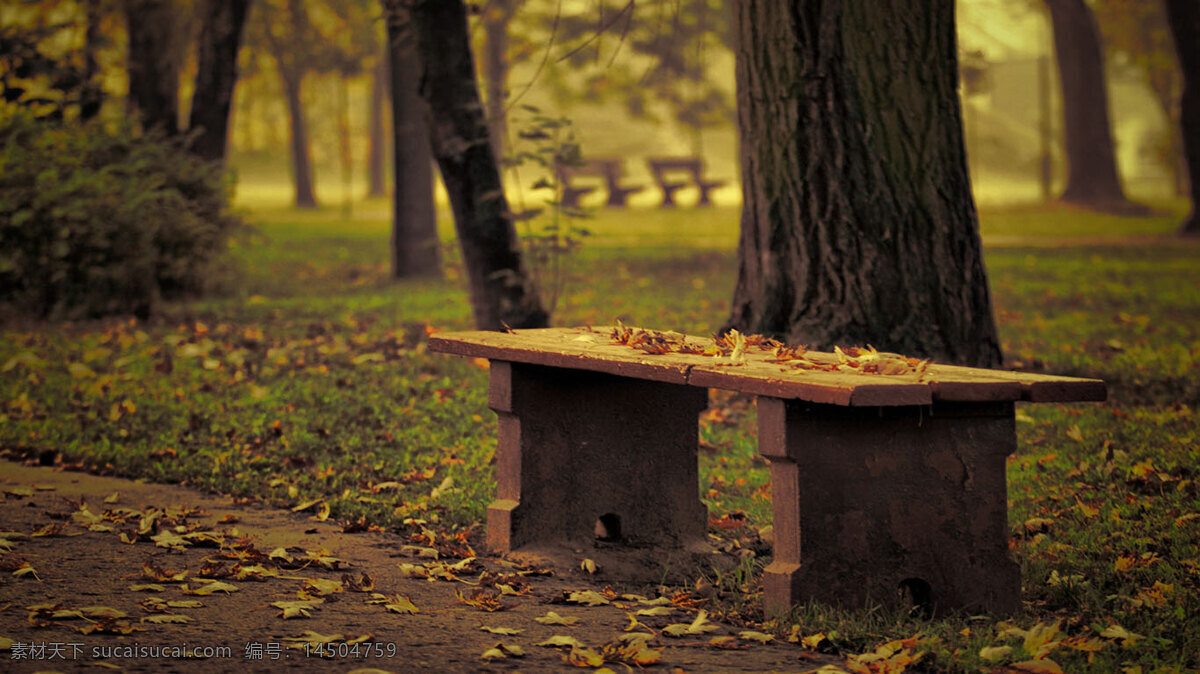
(858, 224)
(497, 15)
(1138, 41)
(1092, 179)
(287, 33)
(376, 136)
(414, 243)
(153, 62)
(500, 287)
(216, 74)
(1185, 27)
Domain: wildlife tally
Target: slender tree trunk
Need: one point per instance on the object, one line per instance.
(858, 224)
(496, 17)
(1092, 179)
(1184, 17)
(93, 93)
(152, 63)
(302, 174)
(216, 76)
(414, 242)
(502, 292)
(377, 138)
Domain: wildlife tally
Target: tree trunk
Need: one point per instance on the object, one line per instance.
(1184, 17)
(502, 292)
(93, 93)
(496, 17)
(152, 63)
(302, 175)
(858, 224)
(414, 242)
(216, 76)
(1092, 180)
(377, 138)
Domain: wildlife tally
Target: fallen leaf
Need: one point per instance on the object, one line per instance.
(561, 641)
(994, 653)
(588, 598)
(699, 625)
(588, 565)
(1115, 631)
(26, 570)
(583, 657)
(506, 631)
(656, 610)
(1043, 666)
(147, 587)
(727, 643)
(401, 604)
(312, 638)
(750, 635)
(209, 588)
(501, 650)
(323, 585)
(552, 618)
(307, 505)
(113, 497)
(166, 618)
(168, 539)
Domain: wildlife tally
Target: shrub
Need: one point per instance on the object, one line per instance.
(95, 222)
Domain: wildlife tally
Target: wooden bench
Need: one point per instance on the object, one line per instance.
(608, 168)
(881, 483)
(693, 166)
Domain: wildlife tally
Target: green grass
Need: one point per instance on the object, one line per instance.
(312, 381)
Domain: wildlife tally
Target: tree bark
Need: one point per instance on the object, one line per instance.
(1092, 180)
(496, 17)
(302, 175)
(376, 137)
(152, 63)
(93, 93)
(858, 224)
(502, 292)
(291, 64)
(414, 241)
(1184, 17)
(216, 76)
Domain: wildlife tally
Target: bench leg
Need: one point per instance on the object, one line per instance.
(580, 448)
(891, 506)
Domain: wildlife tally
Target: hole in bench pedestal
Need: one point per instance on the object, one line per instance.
(919, 594)
(608, 527)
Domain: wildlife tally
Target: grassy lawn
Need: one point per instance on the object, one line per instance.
(311, 381)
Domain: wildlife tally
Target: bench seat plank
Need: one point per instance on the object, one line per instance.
(592, 349)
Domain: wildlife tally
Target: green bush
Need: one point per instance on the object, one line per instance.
(94, 222)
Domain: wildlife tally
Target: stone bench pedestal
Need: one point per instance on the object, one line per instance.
(891, 504)
(583, 455)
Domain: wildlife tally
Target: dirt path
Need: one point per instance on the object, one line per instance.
(80, 565)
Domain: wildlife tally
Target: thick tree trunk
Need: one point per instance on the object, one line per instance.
(1092, 179)
(1184, 16)
(414, 242)
(376, 137)
(858, 224)
(502, 292)
(152, 63)
(302, 175)
(496, 17)
(216, 76)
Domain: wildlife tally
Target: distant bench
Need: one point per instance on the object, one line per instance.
(608, 168)
(880, 483)
(664, 170)
(661, 167)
